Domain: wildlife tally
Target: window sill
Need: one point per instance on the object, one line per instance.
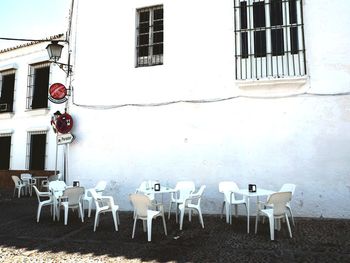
(6, 115)
(37, 112)
(272, 86)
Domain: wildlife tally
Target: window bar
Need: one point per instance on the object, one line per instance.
(291, 35)
(268, 36)
(302, 35)
(287, 41)
(250, 38)
(297, 28)
(236, 54)
(282, 40)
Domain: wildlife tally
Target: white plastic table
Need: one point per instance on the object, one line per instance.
(162, 190)
(259, 192)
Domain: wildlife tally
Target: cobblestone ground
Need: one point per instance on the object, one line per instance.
(24, 240)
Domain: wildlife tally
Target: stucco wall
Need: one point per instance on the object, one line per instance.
(301, 139)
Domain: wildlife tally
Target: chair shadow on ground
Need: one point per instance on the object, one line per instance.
(314, 240)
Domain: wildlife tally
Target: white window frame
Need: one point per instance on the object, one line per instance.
(269, 66)
(30, 85)
(151, 59)
(28, 148)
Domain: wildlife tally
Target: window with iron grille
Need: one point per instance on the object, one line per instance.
(269, 39)
(149, 42)
(5, 146)
(38, 85)
(7, 88)
(36, 150)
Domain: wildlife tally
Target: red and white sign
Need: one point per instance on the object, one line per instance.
(58, 93)
(64, 123)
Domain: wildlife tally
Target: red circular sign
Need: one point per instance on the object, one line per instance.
(58, 91)
(64, 123)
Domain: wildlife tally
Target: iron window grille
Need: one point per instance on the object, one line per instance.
(269, 39)
(38, 85)
(149, 36)
(36, 150)
(7, 88)
(5, 146)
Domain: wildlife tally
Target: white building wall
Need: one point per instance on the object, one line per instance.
(266, 141)
(21, 121)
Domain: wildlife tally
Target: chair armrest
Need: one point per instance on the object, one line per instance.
(108, 198)
(63, 199)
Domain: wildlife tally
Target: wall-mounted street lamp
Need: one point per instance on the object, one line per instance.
(54, 49)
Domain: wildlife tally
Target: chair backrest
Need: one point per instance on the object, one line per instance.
(74, 194)
(199, 193)
(95, 196)
(185, 188)
(26, 176)
(141, 204)
(288, 188)
(53, 178)
(38, 193)
(100, 186)
(226, 188)
(279, 201)
(16, 180)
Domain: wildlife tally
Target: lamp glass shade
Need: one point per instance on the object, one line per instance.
(54, 50)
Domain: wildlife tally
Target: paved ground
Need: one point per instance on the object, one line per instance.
(24, 240)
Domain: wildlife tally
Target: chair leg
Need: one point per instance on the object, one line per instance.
(272, 227)
(114, 214)
(169, 209)
(189, 215)
(200, 217)
(144, 225)
(164, 224)
(182, 214)
(256, 222)
(227, 208)
(149, 228)
(290, 231)
(81, 210)
(65, 214)
(90, 204)
(222, 209)
(291, 214)
(38, 213)
(133, 229)
(96, 220)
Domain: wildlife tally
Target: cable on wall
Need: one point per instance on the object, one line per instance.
(165, 103)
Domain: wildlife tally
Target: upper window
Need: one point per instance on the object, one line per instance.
(149, 46)
(5, 146)
(269, 39)
(36, 150)
(38, 85)
(7, 88)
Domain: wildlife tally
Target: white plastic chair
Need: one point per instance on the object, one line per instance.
(182, 191)
(29, 181)
(226, 188)
(289, 188)
(105, 204)
(44, 199)
(56, 188)
(19, 185)
(145, 210)
(72, 199)
(189, 205)
(99, 188)
(276, 210)
(45, 183)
